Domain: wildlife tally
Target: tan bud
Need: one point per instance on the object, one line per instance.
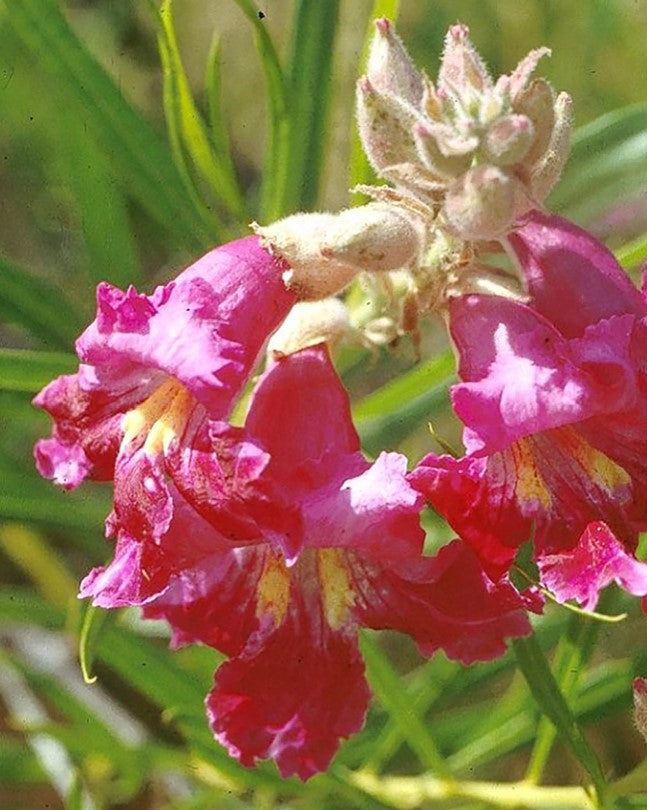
(481, 204)
(508, 140)
(390, 69)
(326, 251)
(385, 127)
(537, 102)
(431, 155)
(461, 67)
(374, 237)
(309, 323)
(546, 172)
(520, 76)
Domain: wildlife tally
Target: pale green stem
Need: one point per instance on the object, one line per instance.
(409, 792)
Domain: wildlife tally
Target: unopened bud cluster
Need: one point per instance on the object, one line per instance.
(479, 152)
(465, 157)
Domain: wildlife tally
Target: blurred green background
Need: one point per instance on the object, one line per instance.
(113, 168)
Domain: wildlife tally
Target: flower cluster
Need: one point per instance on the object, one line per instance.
(275, 540)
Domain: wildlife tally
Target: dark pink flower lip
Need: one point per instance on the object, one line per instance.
(151, 364)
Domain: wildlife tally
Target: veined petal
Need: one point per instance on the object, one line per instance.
(87, 431)
(293, 698)
(477, 497)
(518, 377)
(573, 279)
(597, 560)
(205, 328)
(300, 410)
(445, 602)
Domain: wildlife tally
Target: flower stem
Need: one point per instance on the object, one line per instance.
(409, 792)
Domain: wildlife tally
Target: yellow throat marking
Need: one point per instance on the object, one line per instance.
(338, 596)
(161, 417)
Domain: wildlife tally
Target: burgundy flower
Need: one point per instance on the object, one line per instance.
(156, 374)
(286, 607)
(553, 399)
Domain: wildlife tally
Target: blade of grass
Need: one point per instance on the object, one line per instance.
(37, 306)
(219, 132)
(309, 82)
(571, 655)
(28, 371)
(277, 101)
(387, 687)
(389, 414)
(100, 203)
(136, 150)
(360, 169)
(633, 253)
(550, 700)
(606, 164)
(215, 168)
(28, 498)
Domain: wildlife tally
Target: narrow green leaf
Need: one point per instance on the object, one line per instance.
(219, 130)
(100, 203)
(135, 149)
(94, 619)
(215, 167)
(607, 165)
(387, 687)
(309, 82)
(28, 371)
(391, 413)
(277, 101)
(37, 306)
(29, 551)
(360, 169)
(74, 800)
(572, 652)
(20, 604)
(425, 688)
(29, 498)
(633, 253)
(152, 671)
(550, 700)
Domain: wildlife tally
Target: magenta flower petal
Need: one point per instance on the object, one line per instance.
(87, 431)
(554, 404)
(129, 579)
(152, 363)
(597, 560)
(573, 280)
(293, 707)
(444, 602)
(477, 497)
(518, 377)
(287, 611)
(205, 328)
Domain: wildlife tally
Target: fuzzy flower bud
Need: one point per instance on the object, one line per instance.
(325, 251)
(429, 139)
(481, 204)
(509, 139)
(308, 324)
(385, 126)
(390, 69)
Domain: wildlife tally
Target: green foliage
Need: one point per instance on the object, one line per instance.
(132, 199)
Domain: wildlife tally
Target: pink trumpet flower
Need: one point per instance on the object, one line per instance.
(554, 400)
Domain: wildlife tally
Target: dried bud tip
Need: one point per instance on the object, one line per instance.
(383, 25)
